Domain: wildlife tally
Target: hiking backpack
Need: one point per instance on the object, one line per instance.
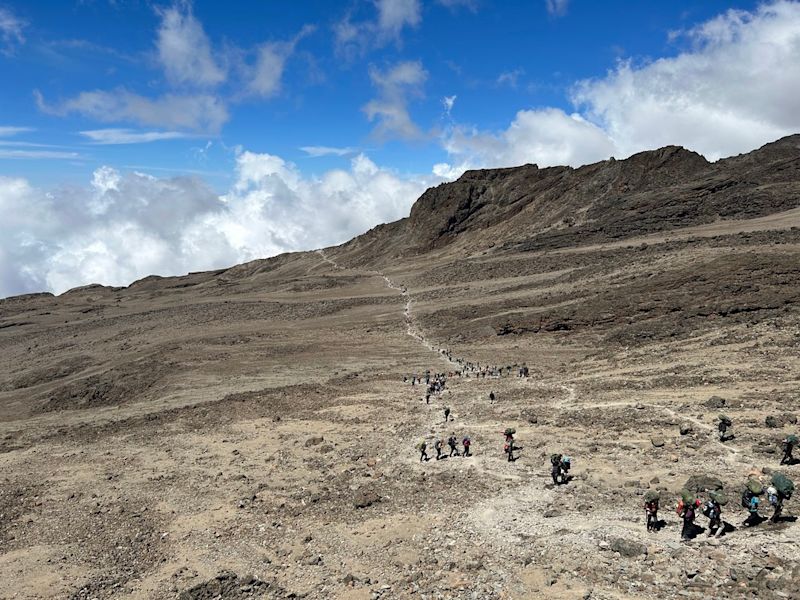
(783, 484)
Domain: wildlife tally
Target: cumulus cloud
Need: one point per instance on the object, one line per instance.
(198, 112)
(184, 49)
(390, 109)
(123, 226)
(11, 32)
(546, 137)
(735, 89)
(556, 8)
(729, 92)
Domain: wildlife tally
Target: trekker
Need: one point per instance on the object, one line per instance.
(787, 445)
(713, 510)
(437, 445)
(491, 397)
(446, 414)
(422, 447)
(750, 501)
(466, 442)
(724, 424)
(428, 398)
(687, 510)
(651, 499)
(781, 489)
(508, 447)
(560, 467)
(452, 442)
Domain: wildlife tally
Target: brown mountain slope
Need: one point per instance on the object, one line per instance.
(531, 208)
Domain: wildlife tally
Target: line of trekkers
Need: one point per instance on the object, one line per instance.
(777, 492)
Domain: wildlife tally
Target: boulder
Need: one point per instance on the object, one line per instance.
(686, 428)
(657, 441)
(716, 402)
(314, 441)
(628, 548)
(702, 483)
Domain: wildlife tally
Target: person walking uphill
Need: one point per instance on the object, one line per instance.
(466, 442)
(508, 447)
(787, 445)
(713, 510)
(687, 510)
(452, 442)
(422, 447)
(438, 447)
(446, 414)
(651, 499)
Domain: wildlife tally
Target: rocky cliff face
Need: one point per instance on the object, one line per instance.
(527, 208)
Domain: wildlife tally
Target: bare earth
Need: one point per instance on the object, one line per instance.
(247, 433)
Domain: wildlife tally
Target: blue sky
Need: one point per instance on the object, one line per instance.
(250, 119)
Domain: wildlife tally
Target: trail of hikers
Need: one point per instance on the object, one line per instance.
(433, 384)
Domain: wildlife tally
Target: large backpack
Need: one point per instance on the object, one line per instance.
(555, 459)
(725, 420)
(783, 484)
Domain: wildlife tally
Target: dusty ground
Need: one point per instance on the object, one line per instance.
(247, 433)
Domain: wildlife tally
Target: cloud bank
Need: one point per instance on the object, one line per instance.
(123, 226)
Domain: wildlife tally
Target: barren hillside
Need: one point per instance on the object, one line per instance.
(248, 433)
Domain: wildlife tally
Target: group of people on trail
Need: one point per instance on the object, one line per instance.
(559, 470)
(438, 446)
(777, 492)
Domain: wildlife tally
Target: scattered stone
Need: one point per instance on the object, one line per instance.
(627, 548)
(702, 483)
(657, 441)
(365, 497)
(716, 402)
(686, 428)
(313, 441)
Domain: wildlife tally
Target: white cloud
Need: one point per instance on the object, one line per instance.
(546, 137)
(38, 154)
(448, 102)
(394, 15)
(557, 8)
(510, 78)
(123, 226)
(317, 151)
(354, 39)
(390, 109)
(11, 32)
(184, 49)
(8, 131)
(266, 74)
(730, 92)
(199, 112)
(129, 136)
(736, 89)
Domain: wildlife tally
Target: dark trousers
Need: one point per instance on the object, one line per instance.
(454, 450)
(423, 456)
(688, 526)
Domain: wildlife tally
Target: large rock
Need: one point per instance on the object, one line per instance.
(686, 428)
(715, 402)
(657, 441)
(702, 483)
(314, 441)
(628, 548)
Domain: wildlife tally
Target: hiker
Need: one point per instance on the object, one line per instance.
(423, 447)
(446, 414)
(508, 447)
(491, 397)
(428, 398)
(750, 501)
(438, 447)
(560, 468)
(651, 499)
(687, 510)
(466, 442)
(724, 424)
(787, 445)
(713, 510)
(451, 441)
(780, 490)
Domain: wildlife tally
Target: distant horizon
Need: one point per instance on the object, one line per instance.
(175, 137)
